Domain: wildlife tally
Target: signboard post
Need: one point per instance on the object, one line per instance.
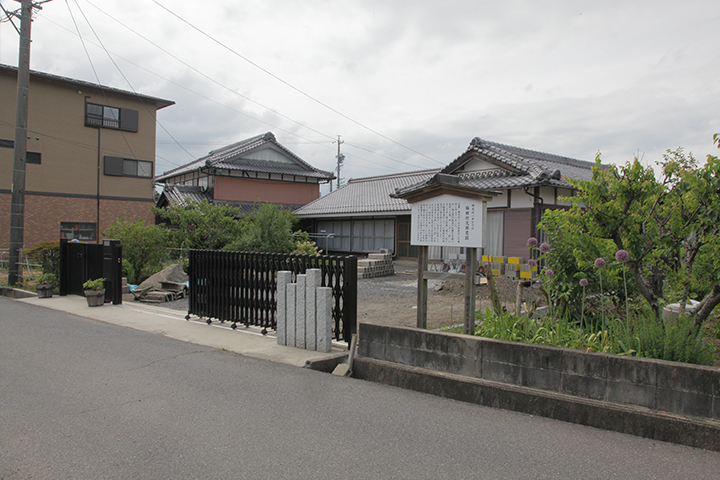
(449, 221)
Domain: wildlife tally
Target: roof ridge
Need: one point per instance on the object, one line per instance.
(393, 175)
(227, 148)
(478, 142)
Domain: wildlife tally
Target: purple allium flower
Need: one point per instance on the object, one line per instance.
(622, 256)
(532, 241)
(549, 273)
(545, 248)
(584, 282)
(532, 262)
(600, 262)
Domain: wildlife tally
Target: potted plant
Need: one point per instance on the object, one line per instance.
(45, 285)
(95, 292)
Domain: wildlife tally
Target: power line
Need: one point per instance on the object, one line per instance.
(303, 125)
(225, 105)
(289, 84)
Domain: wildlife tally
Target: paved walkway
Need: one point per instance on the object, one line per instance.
(171, 323)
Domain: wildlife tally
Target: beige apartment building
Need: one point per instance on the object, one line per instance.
(91, 157)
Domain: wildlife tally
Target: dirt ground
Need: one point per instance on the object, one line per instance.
(392, 300)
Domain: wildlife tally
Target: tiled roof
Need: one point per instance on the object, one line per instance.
(517, 168)
(366, 195)
(181, 195)
(231, 157)
(534, 161)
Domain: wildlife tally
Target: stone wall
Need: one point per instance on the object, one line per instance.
(657, 385)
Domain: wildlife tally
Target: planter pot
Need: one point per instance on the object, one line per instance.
(95, 298)
(45, 290)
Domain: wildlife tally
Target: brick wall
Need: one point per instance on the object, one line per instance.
(43, 215)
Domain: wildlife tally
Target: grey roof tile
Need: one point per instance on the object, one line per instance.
(230, 157)
(520, 168)
(366, 195)
(181, 195)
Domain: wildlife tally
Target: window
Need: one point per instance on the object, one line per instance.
(372, 235)
(340, 239)
(77, 231)
(31, 157)
(111, 117)
(128, 167)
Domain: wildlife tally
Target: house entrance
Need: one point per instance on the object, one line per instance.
(405, 251)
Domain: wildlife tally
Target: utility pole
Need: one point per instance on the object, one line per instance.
(17, 201)
(340, 158)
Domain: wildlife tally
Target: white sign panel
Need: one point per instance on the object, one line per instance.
(448, 221)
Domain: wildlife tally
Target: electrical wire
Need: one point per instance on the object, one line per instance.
(202, 32)
(303, 125)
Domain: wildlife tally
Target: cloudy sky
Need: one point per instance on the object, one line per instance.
(407, 84)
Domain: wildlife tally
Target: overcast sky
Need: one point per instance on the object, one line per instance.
(407, 84)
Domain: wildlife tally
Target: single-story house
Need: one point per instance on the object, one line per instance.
(255, 170)
(372, 213)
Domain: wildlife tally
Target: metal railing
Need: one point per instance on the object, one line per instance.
(240, 287)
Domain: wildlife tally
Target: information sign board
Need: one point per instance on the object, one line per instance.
(448, 220)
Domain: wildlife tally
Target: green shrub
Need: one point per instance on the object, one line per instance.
(304, 245)
(46, 254)
(46, 279)
(678, 340)
(143, 247)
(96, 284)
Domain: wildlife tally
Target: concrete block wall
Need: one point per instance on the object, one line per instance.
(376, 265)
(304, 311)
(676, 388)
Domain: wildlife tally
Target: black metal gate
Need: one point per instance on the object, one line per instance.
(80, 262)
(240, 287)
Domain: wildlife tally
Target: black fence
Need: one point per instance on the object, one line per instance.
(240, 287)
(80, 262)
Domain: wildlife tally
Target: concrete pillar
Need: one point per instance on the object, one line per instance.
(290, 334)
(324, 319)
(313, 282)
(283, 279)
(300, 311)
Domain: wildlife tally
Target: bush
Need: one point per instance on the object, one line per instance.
(267, 229)
(304, 245)
(46, 254)
(143, 247)
(202, 225)
(678, 341)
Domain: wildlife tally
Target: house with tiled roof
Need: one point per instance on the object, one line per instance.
(255, 170)
(523, 184)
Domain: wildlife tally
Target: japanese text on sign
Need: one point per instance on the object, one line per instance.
(447, 221)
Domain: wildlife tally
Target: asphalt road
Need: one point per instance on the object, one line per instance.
(81, 399)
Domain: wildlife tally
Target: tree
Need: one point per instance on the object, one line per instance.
(267, 229)
(664, 224)
(48, 254)
(623, 205)
(202, 225)
(695, 224)
(143, 247)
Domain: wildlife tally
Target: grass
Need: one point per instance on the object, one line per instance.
(642, 335)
